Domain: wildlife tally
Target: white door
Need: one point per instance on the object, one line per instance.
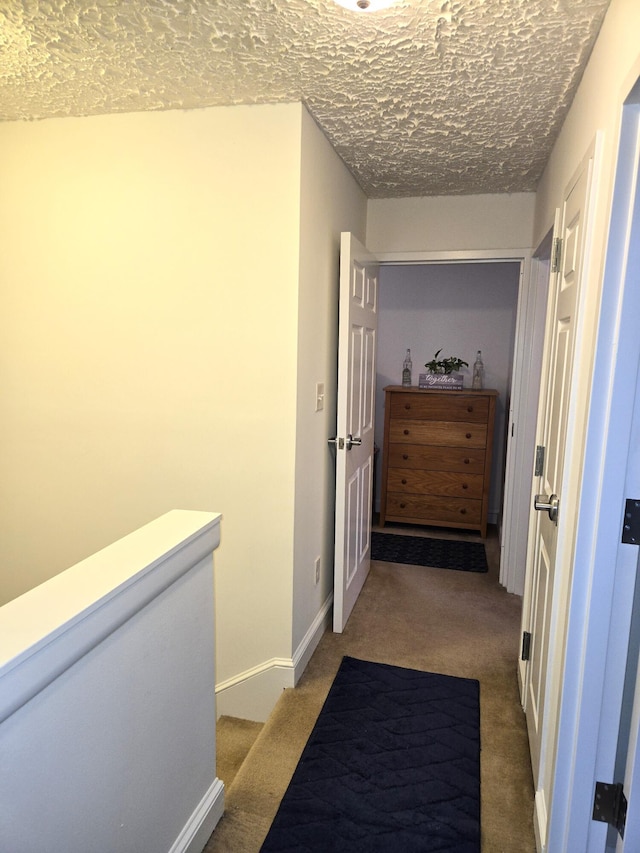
(358, 325)
(544, 619)
(546, 281)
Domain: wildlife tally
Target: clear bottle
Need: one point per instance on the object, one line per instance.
(406, 370)
(478, 372)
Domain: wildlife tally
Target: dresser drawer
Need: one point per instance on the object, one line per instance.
(436, 461)
(446, 483)
(440, 408)
(456, 434)
(437, 458)
(432, 509)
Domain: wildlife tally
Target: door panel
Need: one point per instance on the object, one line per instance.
(355, 419)
(544, 617)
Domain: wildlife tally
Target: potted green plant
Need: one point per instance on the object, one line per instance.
(443, 372)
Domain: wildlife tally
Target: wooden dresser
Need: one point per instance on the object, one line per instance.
(436, 460)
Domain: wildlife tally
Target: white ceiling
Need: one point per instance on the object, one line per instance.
(429, 97)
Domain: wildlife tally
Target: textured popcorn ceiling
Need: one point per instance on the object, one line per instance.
(429, 97)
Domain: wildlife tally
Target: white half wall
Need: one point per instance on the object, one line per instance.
(107, 699)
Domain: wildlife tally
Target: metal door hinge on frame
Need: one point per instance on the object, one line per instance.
(610, 805)
(556, 254)
(631, 525)
(526, 646)
(538, 471)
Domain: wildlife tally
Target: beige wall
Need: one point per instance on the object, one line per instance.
(612, 70)
(169, 300)
(451, 223)
(148, 342)
(331, 202)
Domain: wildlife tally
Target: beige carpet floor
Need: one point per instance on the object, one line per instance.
(437, 620)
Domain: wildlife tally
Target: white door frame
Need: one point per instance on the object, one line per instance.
(602, 595)
(520, 422)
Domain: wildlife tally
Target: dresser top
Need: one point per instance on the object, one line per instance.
(413, 389)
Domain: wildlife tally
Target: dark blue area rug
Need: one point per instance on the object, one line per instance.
(392, 764)
(423, 551)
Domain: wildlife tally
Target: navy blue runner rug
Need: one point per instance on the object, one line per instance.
(392, 764)
(423, 551)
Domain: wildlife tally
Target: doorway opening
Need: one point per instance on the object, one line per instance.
(465, 304)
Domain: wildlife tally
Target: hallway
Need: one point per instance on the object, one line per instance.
(437, 620)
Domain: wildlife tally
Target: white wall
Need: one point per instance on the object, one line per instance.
(450, 223)
(331, 202)
(460, 308)
(148, 339)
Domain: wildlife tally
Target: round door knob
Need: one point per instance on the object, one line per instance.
(546, 503)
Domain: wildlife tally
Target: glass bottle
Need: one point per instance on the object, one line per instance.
(406, 370)
(478, 372)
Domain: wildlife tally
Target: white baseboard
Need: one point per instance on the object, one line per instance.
(203, 821)
(540, 822)
(252, 694)
(307, 647)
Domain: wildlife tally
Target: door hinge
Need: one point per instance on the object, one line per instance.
(631, 525)
(610, 805)
(526, 645)
(556, 254)
(539, 469)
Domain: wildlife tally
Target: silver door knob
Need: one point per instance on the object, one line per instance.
(353, 442)
(546, 503)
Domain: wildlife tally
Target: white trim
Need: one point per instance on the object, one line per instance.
(252, 694)
(524, 392)
(540, 822)
(601, 600)
(453, 256)
(197, 830)
(568, 669)
(307, 647)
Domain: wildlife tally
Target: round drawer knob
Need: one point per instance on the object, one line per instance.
(468, 435)
(464, 486)
(406, 432)
(463, 512)
(407, 406)
(402, 506)
(469, 408)
(405, 456)
(466, 461)
(404, 482)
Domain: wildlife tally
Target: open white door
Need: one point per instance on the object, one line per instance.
(546, 619)
(358, 325)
